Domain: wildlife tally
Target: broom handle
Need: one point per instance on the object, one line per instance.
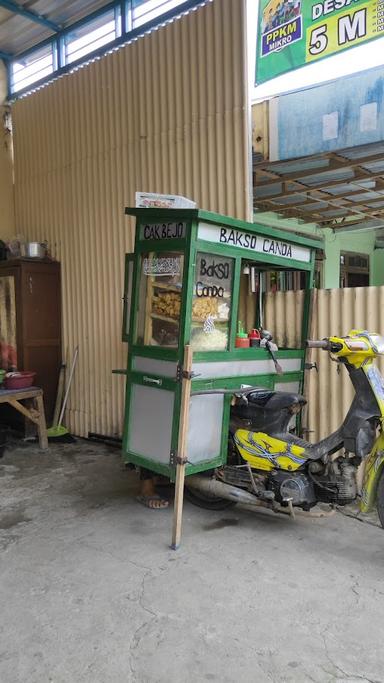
(59, 396)
(68, 386)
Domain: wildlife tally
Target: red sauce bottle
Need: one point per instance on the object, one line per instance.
(254, 337)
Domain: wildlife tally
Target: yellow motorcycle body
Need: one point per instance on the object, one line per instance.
(266, 453)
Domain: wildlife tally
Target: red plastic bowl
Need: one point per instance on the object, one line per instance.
(19, 380)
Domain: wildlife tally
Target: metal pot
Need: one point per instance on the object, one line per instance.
(35, 249)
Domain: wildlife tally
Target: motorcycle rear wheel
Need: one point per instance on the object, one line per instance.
(380, 499)
(207, 502)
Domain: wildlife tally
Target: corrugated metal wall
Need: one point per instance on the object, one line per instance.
(167, 113)
(334, 313)
(284, 317)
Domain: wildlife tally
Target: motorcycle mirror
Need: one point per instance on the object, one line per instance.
(264, 334)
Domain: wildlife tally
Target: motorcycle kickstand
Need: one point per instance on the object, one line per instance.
(266, 496)
(290, 507)
(252, 480)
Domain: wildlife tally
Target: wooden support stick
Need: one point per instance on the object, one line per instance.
(182, 449)
(41, 425)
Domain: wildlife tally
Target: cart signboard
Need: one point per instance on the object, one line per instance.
(258, 243)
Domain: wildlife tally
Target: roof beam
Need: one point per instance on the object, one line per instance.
(357, 225)
(298, 209)
(6, 56)
(339, 203)
(309, 190)
(301, 175)
(28, 14)
(314, 215)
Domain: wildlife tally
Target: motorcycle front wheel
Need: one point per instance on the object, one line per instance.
(380, 499)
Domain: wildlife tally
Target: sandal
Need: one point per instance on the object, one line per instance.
(153, 502)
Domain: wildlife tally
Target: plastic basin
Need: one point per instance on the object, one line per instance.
(19, 380)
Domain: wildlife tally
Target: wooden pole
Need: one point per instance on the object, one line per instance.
(182, 448)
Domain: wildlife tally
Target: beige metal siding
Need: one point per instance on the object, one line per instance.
(334, 313)
(284, 317)
(337, 312)
(167, 113)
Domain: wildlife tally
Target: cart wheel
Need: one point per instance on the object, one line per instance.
(207, 502)
(380, 499)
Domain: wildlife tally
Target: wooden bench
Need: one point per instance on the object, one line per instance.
(35, 414)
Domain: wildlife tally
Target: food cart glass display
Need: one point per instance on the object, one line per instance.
(211, 302)
(159, 300)
(193, 277)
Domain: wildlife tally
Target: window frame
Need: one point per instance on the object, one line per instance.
(125, 32)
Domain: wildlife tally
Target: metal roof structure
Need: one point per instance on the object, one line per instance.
(26, 23)
(340, 190)
(41, 40)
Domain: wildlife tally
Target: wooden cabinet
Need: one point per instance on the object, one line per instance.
(30, 322)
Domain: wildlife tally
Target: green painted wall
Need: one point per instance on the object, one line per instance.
(333, 244)
(377, 267)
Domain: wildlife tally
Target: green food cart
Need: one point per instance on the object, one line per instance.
(185, 283)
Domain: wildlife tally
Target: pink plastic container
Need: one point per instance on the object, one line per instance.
(19, 380)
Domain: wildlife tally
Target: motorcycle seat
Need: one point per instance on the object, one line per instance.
(260, 396)
(274, 400)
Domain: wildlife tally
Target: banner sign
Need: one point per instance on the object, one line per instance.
(292, 33)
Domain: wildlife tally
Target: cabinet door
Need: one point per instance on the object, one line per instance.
(41, 303)
(151, 419)
(41, 326)
(8, 344)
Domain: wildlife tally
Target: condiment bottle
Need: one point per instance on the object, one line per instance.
(241, 341)
(254, 337)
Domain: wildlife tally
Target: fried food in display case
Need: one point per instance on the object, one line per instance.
(211, 305)
(167, 304)
(202, 308)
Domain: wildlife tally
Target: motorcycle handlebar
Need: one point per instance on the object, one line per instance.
(356, 345)
(318, 344)
(334, 346)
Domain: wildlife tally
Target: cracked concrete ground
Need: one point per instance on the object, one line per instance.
(91, 593)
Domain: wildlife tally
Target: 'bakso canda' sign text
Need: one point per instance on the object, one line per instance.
(246, 240)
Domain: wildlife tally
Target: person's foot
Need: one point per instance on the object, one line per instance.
(153, 502)
(149, 497)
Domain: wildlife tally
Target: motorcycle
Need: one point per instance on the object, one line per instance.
(269, 465)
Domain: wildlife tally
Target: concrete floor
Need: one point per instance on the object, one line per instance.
(91, 592)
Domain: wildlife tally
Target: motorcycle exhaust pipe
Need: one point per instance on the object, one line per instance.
(217, 489)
